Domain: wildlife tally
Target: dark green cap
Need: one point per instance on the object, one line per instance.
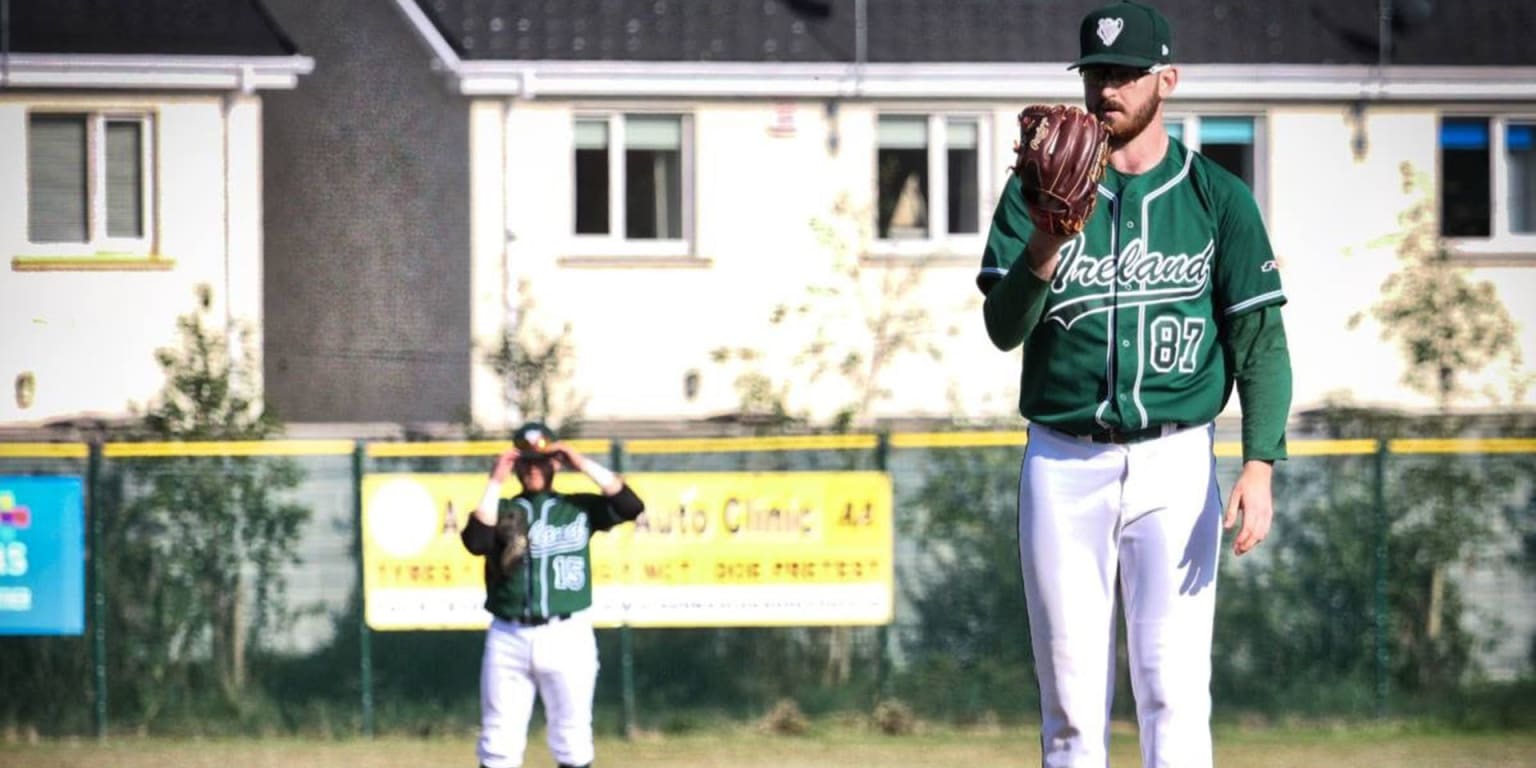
(1125, 34)
(533, 439)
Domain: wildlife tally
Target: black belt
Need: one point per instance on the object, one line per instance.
(538, 621)
(1127, 436)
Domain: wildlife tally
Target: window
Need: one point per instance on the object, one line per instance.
(633, 186)
(88, 182)
(1232, 141)
(1227, 140)
(1488, 179)
(929, 182)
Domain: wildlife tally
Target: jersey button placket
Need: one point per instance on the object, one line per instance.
(1127, 365)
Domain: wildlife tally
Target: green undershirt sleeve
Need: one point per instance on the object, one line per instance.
(1261, 369)
(1013, 306)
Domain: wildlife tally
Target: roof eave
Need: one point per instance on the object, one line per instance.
(153, 72)
(1273, 82)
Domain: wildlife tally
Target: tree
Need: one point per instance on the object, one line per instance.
(1446, 324)
(536, 367)
(968, 643)
(855, 323)
(1304, 615)
(203, 540)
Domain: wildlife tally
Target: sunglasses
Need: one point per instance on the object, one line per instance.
(1115, 77)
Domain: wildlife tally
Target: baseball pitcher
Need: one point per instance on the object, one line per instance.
(1138, 277)
(537, 586)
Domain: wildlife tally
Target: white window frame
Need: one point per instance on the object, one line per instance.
(615, 243)
(1500, 241)
(97, 241)
(940, 242)
(1191, 122)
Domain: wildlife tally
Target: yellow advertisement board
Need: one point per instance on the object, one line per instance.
(713, 549)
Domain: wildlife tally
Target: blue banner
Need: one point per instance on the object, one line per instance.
(42, 556)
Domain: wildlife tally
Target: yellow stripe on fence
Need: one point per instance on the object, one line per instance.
(44, 451)
(958, 439)
(1465, 445)
(601, 446)
(1332, 447)
(747, 444)
(219, 448)
(597, 447)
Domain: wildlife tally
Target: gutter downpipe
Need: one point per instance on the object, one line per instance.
(1384, 36)
(5, 43)
(860, 44)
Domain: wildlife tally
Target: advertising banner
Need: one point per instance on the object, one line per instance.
(713, 549)
(42, 556)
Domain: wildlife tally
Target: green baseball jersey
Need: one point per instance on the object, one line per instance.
(555, 576)
(1134, 314)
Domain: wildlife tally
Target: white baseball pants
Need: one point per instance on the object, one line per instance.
(556, 661)
(1151, 513)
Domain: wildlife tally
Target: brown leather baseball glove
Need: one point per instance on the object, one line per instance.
(1059, 159)
(512, 535)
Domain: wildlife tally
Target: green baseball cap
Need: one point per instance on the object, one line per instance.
(533, 439)
(1126, 34)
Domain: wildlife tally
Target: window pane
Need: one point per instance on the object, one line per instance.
(903, 132)
(653, 194)
(592, 177)
(1237, 158)
(902, 164)
(591, 134)
(1521, 141)
(1229, 141)
(963, 190)
(56, 183)
(125, 179)
(1465, 192)
(1464, 133)
(660, 132)
(961, 134)
(1226, 130)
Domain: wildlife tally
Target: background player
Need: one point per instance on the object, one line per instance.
(537, 585)
(1134, 333)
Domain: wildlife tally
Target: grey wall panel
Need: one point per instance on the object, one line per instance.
(367, 225)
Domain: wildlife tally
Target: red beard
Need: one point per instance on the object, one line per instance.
(1125, 127)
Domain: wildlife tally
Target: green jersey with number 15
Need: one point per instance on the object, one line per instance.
(555, 576)
(1135, 312)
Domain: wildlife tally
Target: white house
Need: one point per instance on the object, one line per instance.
(666, 181)
(130, 172)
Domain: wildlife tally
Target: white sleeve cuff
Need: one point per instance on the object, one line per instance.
(491, 501)
(600, 474)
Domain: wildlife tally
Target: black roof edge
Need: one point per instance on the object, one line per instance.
(437, 23)
(273, 27)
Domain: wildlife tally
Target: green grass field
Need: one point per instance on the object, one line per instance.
(747, 748)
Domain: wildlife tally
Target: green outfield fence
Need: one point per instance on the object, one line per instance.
(1399, 578)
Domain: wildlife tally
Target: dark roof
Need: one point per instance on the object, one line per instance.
(1425, 32)
(166, 27)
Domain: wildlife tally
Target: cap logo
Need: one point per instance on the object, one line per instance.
(1165, 50)
(1109, 30)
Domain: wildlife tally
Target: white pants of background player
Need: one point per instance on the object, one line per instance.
(1150, 512)
(558, 661)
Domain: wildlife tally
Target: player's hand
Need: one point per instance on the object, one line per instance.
(564, 456)
(1043, 252)
(501, 470)
(1251, 496)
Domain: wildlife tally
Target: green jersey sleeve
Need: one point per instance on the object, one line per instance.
(605, 512)
(1247, 277)
(1010, 231)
